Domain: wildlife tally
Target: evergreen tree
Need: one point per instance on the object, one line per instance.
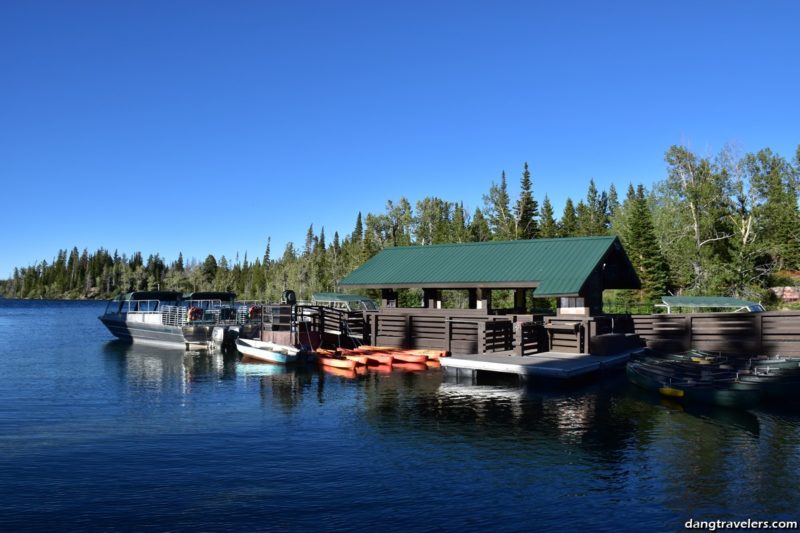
(613, 202)
(568, 226)
(643, 249)
(209, 269)
(479, 229)
(358, 232)
(548, 228)
(593, 215)
(460, 231)
(266, 262)
(526, 210)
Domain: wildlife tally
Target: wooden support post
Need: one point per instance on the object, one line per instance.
(483, 298)
(448, 333)
(472, 295)
(519, 300)
(430, 297)
(518, 338)
(481, 337)
(373, 326)
(388, 298)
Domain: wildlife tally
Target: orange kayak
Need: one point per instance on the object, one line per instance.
(431, 354)
(428, 353)
(405, 357)
(380, 358)
(336, 363)
(378, 348)
(359, 359)
(433, 363)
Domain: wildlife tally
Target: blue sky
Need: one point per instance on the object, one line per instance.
(204, 127)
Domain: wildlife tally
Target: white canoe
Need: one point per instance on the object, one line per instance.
(270, 352)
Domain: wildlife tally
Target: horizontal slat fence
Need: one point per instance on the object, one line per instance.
(772, 333)
(457, 331)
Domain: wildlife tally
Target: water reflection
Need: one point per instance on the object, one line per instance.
(279, 385)
(156, 369)
(699, 458)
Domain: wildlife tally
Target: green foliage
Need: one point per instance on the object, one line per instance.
(498, 212)
(526, 209)
(639, 238)
(568, 226)
(548, 227)
(721, 226)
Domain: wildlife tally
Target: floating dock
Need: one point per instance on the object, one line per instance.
(556, 365)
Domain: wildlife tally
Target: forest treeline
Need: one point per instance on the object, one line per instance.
(726, 224)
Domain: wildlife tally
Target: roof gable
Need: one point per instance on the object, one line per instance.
(553, 266)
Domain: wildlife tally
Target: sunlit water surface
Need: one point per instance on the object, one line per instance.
(98, 435)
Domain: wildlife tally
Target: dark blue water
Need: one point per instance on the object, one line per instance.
(97, 435)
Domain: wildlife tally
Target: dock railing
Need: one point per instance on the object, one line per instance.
(460, 331)
(337, 326)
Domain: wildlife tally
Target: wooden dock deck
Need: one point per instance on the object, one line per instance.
(555, 365)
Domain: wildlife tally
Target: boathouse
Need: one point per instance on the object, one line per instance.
(575, 271)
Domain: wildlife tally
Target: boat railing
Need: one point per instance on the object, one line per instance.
(173, 315)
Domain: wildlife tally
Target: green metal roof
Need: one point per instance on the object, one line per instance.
(557, 267)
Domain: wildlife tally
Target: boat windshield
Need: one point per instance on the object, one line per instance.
(113, 306)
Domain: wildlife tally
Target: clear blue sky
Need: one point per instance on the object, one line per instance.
(204, 127)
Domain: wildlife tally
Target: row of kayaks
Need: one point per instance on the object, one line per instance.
(728, 381)
(347, 359)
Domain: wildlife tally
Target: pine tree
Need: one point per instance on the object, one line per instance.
(613, 201)
(358, 232)
(209, 269)
(526, 210)
(568, 226)
(479, 229)
(309, 246)
(642, 247)
(460, 231)
(548, 228)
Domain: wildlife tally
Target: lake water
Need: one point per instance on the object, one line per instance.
(98, 435)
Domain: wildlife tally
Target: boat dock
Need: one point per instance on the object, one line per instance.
(557, 365)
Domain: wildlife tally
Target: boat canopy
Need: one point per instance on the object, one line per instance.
(351, 302)
(710, 302)
(165, 296)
